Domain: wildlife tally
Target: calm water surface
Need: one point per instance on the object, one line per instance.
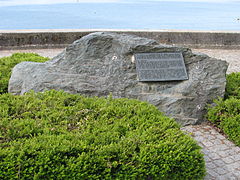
(123, 15)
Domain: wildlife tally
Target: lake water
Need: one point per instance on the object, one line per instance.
(122, 15)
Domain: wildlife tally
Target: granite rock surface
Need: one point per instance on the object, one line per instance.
(102, 63)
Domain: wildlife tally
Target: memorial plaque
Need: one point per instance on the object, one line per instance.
(160, 66)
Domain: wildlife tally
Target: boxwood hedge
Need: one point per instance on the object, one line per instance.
(7, 63)
(55, 135)
(233, 85)
(226, 112)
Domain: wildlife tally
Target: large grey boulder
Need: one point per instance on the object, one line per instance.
(102, 63)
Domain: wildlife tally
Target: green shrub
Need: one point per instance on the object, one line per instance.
(55, 135)
(226, 115)
(233, 85)
(226, 112)
(7, 63)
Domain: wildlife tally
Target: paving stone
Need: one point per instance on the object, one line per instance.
(219, 163)
(211, 165)
(236, 166)
(231, 152)
(223, 154)
(221, 171)
(198, 133)
(206, 134)
(214, 156)
(228, 176)
(228, 143)
(228, 160)
(212, 173)
(216, 141)
(199, 138)
(209, 177)
(237, 173)
(207, 143)
(219, 136)
(206, 151)
(230, 167)
(211, 138)
(221, 147)
(236, 157)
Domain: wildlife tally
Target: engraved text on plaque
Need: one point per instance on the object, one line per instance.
(160, 66)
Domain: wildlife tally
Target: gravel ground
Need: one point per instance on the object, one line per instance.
(43, 52)
(232, 56)
(229, 55)
(222, 157)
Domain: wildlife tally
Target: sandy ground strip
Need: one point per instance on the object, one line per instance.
(232, 56)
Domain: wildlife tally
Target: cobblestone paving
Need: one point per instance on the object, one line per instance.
(222, 157)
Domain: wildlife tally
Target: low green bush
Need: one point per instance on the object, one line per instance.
(226, 112)
(226, 115)
(55, 135)
(7, 63)
(233, 85)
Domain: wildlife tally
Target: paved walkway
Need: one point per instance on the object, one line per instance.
(222, 156)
